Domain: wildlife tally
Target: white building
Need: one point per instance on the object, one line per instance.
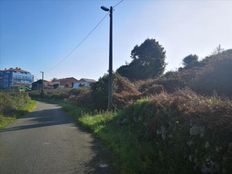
(83, 83)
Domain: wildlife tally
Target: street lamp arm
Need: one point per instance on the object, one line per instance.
(105, 8)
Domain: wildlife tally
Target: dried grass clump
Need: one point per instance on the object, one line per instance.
(81, 97)
(170, 82)
(124, 92)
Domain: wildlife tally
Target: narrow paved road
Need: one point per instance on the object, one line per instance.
(47, 141)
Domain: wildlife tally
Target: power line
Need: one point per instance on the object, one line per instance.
(83, 40)
(79, 44)
(118, 3)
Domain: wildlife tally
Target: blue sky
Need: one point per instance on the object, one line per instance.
(37, 34)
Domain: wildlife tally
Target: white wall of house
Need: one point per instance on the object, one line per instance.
(76, 85)
(81, 84)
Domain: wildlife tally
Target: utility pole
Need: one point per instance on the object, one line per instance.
(110, 80)
(42, 88)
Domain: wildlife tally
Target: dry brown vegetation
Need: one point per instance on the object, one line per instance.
(183, 133)
(211, 76)
(124, 93)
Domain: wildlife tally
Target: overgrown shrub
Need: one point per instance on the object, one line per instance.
(99, 92)
(215, 76)
(211, 76)
(78, 91)
(124, 92)
(170, 82)
(183, 133)
(59, 93)
(82, 97)
(11, 101)
(6, 104)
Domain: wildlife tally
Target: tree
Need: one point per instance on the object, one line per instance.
(218, 50)
(190, 61)
(148, 61)
(100, 92)
(55, 79)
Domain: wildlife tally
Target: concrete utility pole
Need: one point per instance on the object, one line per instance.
(42, 89)
(110, 82)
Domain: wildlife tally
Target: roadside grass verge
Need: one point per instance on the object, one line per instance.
(48, 100)
(5, 120)
(119, 139)
(21, 111)
(73, 110)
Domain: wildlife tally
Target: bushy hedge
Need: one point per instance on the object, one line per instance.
(58, 94)
(215, 75)
(211, 76)
(181, 133)
(10, 102)
(124, 92)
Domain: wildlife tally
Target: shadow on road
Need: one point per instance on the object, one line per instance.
(100, 163)
(104, 162)
(39, 119)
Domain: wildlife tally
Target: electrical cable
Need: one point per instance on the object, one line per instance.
(82, 41)
(79, 44)
(118, 3)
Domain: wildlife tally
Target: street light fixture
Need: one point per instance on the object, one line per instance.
(110, 10)
(105, 8)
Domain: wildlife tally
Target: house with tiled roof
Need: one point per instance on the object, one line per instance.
(64, 82)
(83, 83)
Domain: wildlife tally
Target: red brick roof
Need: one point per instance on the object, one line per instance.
(64, 81)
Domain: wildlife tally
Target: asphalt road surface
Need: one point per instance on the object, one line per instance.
(47, 141)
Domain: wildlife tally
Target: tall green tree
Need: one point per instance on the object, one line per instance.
(190, 61)
(148, 61)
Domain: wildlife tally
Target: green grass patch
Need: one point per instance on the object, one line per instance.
(4, 121)
(26, 108)
(120, 139)
(48, 100)
(20, 112)
(96, 122)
